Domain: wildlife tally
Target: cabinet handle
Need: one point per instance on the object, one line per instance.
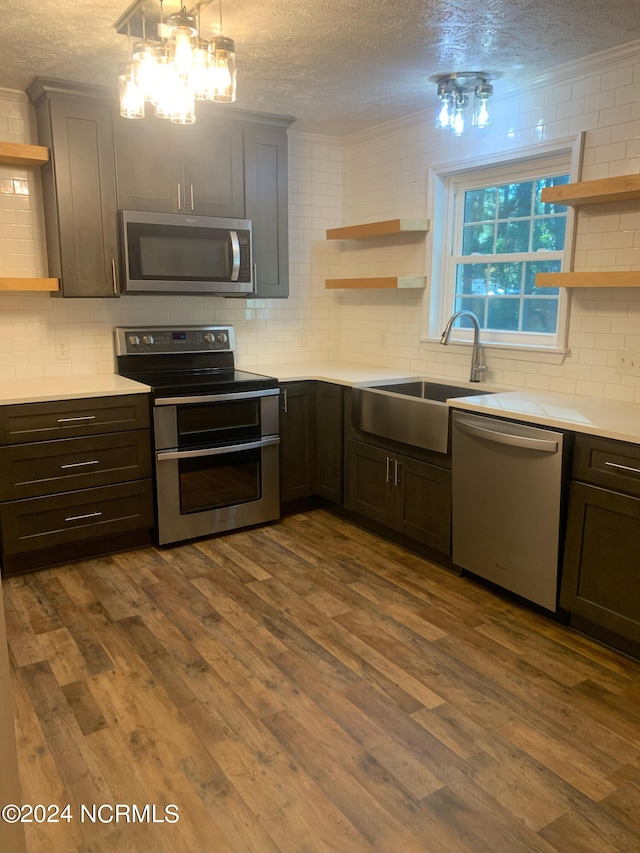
(80, 464)
(113, 277)
(285, 407)
(179, 196)
(396, 473)
(255, 277)
(80, 517)
(193, 207)
(623, 467)
(72, 420)
(388, 477)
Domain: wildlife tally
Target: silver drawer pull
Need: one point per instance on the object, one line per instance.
(71, 420)
(80, 464)
(80, 517)
(623, 467)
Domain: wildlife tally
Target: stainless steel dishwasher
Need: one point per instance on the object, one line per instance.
(507, 504)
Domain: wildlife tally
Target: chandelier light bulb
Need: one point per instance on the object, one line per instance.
(131, 98)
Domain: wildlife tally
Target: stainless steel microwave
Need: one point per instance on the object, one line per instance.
(179, 253)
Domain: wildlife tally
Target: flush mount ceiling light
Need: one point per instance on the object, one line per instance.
(464, 97)
(171, 65)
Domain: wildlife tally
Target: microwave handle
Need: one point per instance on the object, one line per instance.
(235, 249)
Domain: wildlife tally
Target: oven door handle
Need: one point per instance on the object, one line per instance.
(216, 398)
(166, 455)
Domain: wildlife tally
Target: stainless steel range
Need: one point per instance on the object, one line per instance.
(216, 435)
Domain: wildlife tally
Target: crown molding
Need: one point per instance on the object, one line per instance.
(593, 63)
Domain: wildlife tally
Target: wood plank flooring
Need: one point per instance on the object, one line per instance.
(307, 687)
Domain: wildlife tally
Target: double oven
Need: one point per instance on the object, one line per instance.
(215, 429)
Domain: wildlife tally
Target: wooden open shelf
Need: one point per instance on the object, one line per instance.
(44, 284)
(603, 278)
(620, 188)
(23, 155)
(378, 229)
(388, 283)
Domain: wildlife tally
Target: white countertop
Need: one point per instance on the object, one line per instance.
(14, 391)
(336, 372)
(592, 415)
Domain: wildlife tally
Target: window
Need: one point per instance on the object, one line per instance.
(497, 236)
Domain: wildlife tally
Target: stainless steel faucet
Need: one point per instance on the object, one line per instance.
(477, 369)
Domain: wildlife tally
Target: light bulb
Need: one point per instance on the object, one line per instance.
(444, 117)
(131, 99)
(457, 124)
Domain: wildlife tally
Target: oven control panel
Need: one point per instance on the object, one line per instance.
(169, 339)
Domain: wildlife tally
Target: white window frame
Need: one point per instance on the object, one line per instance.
(563, 156)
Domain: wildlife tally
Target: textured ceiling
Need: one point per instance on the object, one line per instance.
(337, 65)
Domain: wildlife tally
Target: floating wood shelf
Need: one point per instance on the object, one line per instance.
(620, 188)
(604, 278)
(51, 284)
(23, 155)
(378, 229)
(389, 283)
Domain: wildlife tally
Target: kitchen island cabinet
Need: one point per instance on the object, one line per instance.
(78, 187)
(601, 573)
(76, 479)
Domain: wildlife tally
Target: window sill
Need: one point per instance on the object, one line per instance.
(515, 352)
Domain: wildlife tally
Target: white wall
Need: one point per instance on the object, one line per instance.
(305, 326)
(379, 174)
(385, 176)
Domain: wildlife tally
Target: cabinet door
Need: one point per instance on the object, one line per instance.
(80, 196)
(213, 178)
(166, 168)
(371, 490)
(329, 443)
(148, 166)
(601, 572)
(423, 503)
(297, 445)
(266, 204)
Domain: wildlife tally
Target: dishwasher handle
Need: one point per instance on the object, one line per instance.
(543, 445)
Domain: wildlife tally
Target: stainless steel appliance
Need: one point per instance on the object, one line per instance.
(507, 504)
(216, 436)
(180, 253)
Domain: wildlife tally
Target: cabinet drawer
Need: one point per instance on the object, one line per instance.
(604, 462)
(29, 422)
(34, 470)
(38, 523)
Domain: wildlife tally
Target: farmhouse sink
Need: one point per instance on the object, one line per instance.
(413, 412)
(426, 390)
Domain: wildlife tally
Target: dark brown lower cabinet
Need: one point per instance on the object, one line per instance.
(601, 570)
(311, 447)
(297, 440)
(406, 494)
(84, 488)
(601, 574)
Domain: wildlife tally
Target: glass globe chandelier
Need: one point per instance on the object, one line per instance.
(464, 99)
(171, 66)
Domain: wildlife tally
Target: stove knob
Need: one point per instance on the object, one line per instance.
(133, 340)
(209, 338)
(222, 338)
(147, 339)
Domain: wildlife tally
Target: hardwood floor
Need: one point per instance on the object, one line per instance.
(308, 687)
